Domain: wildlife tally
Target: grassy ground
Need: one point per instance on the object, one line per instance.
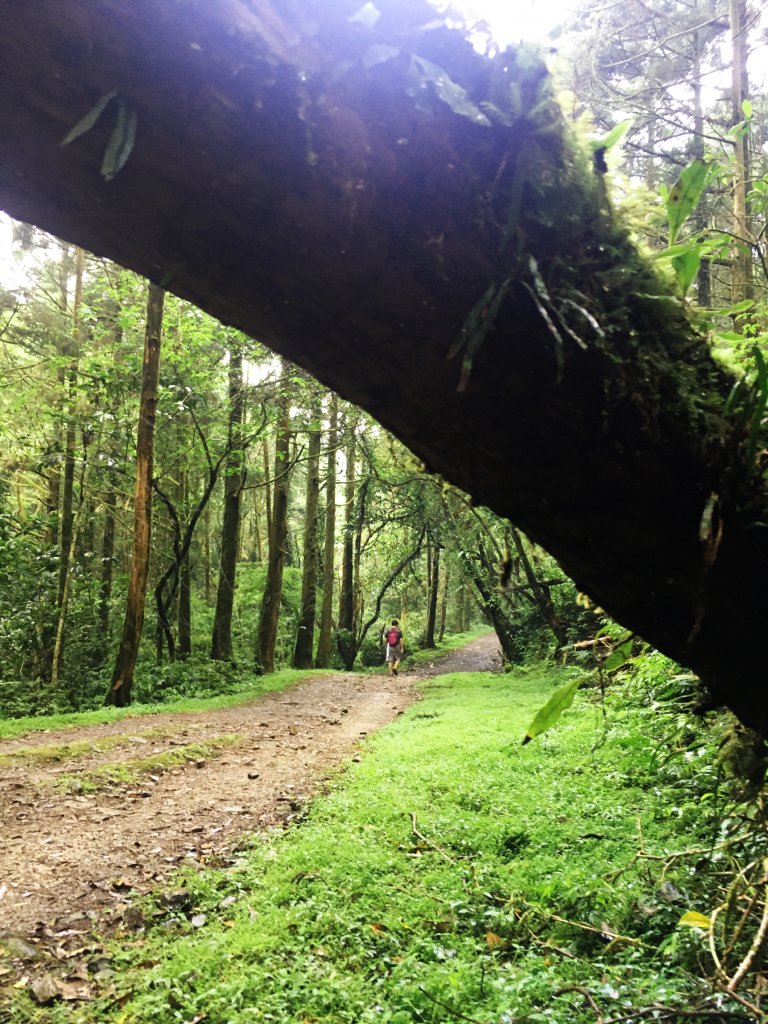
(453, 875)
(12, 727)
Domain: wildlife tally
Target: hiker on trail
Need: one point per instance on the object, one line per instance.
(393, 636)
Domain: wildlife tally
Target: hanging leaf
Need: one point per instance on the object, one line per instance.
(455, 96)
(618, 657)
(86, 123)
(686, 267)
(546, 717)
(613, 138)
(121, 141)
(746, 108)
(693, 919)
(685, 194)
(379, 53)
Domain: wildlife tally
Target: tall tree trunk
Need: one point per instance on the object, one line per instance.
(347, 589)
(273, 587)
(345, 633)
(462, 609)
(221, 642)
(443, 603)
(207, 554)
(704, 274)
(267, 487)
(323, 659)
(184, 630)
(119, 692)
(741, 265)
(302, 655)
(54, 473)
(107, 567)
(67, 513)
(434, 583)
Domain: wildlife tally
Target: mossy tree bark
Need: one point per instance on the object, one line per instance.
(315, 182)
(119, 692)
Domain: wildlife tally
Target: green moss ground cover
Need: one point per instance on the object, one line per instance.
(455, 875)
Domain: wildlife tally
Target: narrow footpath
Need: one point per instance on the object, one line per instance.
(79, 841)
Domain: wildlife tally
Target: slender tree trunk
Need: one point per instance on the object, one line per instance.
(434, 583)
(704, 275)
(443, 603)
(462, 609)
(67, 514)
(347, 590)
(539, 593)
(107, 566)
(323, 659)
(741, 267)
(58, 647)
(122, 677)
(273, 588)
(345, 634)
(267, 488)
(360, 519)
(302, 655)
(184, 631)
(221, 642)
(207, 554)
(54, 474)
(70, 384)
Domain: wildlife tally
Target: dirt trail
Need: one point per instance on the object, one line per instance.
(68, 855)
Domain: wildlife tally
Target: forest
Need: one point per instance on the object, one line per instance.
(320, 319)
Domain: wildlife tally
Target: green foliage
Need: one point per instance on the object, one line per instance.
(683, 197)
(453, 874)
(550, 713)
(250, 689)
(122, 138)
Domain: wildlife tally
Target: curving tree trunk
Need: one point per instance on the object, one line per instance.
(379, 199)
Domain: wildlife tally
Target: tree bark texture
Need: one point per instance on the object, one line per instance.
(314, 182)
(119, 692)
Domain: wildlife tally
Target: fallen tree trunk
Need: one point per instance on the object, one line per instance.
(358, 195)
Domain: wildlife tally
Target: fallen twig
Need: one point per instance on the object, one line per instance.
(430, 844)
(587, 995)
(754, 949)
(444, 1006)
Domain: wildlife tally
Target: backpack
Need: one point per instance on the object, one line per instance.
(393, 636)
